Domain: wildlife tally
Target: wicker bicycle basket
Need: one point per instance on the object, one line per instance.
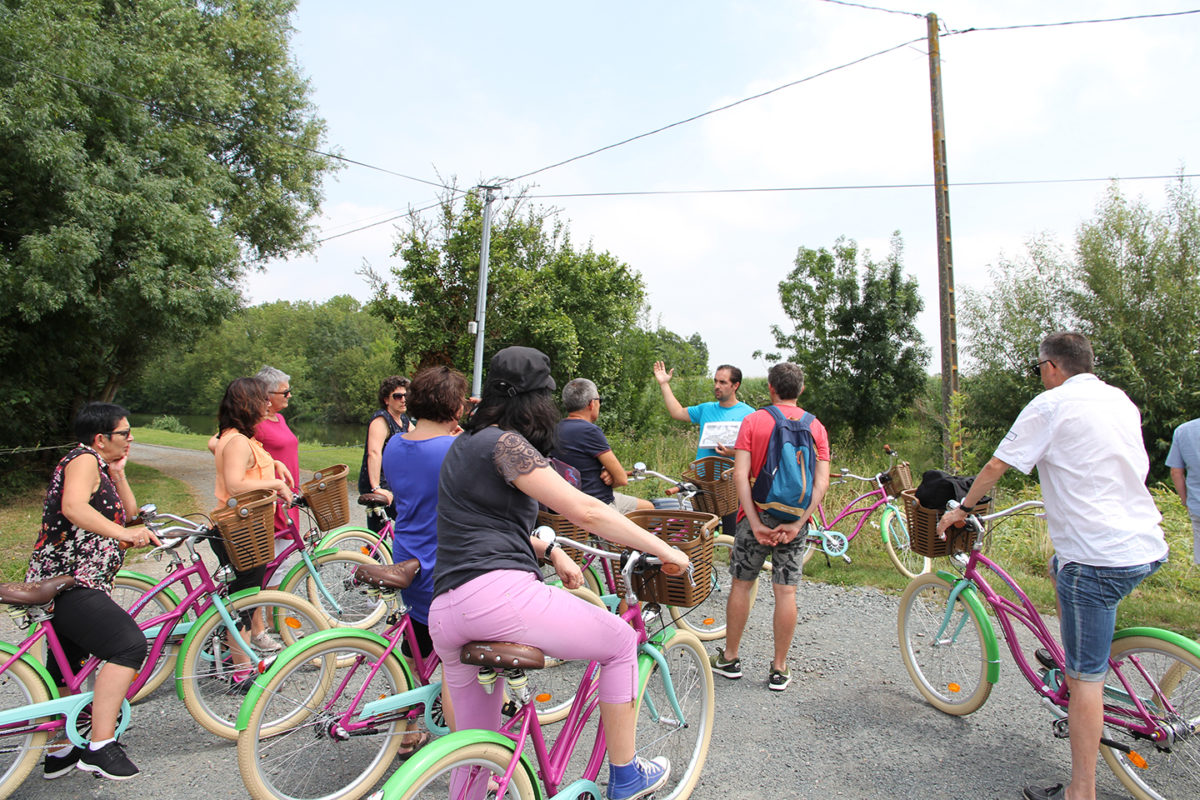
(328, 497)
(247, 524)
(713, 476)
(564, 527)
(901, 478)
(691, 532)
(922, 529)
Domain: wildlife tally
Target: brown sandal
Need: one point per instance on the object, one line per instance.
(407, 749)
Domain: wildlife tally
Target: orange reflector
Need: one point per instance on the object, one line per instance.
(366, 551)
(543, 698)
(1136, 759)
(954, 687)
(292, 623)
(710, 621)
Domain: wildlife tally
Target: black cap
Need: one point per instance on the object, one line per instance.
(516, 370)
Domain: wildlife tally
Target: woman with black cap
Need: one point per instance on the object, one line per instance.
(487, 585)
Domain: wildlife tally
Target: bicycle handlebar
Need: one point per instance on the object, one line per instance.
(640, 472)
(635, 557)
(975, 521)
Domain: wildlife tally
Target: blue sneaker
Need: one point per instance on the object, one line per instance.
(638, 778)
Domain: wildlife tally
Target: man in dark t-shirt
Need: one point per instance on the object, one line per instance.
(584, 446)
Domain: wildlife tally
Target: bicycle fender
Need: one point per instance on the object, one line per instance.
(197, 625)
(296, 650)
(1170, 637)
(580, 788)
(889, 510)
(34, 664)
(386, 544)
(166, 592)
(430, 754)
(970, 596)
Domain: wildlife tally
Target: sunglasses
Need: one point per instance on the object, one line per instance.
(285, 393)
(1036, 367)
(399, 395)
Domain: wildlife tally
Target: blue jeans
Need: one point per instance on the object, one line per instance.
(1088, 598)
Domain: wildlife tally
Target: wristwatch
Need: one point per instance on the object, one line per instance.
(550, 549)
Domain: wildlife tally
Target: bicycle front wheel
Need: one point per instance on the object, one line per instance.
(950, 668)
(314, 755)
(895, 540)
(660, 731)
(707, 620)
(464, 773)
(210, 672)
(127, 589)
(351, 606)
(1166, 678)
(21, 746)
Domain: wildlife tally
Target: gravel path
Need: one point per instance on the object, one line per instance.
(851, 725)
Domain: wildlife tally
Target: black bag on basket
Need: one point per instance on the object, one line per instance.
(938, 488)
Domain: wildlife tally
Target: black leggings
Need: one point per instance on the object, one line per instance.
(89, 622)
(246, 579)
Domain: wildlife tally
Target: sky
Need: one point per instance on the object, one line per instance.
(478, 93)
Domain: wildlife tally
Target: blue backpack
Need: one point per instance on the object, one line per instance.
(784, 485)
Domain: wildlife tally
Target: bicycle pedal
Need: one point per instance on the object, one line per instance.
(1060, 729)
(846, 558)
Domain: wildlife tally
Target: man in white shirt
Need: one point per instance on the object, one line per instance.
(1085, 438)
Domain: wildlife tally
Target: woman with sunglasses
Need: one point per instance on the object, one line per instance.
(83, 534)
(277, 438)
(385, 423)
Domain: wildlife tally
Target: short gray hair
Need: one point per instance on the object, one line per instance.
(271, 378)
(578, 393)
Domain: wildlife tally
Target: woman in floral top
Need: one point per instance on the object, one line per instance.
(83, 534)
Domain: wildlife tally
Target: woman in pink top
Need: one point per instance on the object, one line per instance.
(276, 437)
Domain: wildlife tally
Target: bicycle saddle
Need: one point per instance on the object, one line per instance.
(372, 500)
(37, 593)
(503, 655)
(392, 576)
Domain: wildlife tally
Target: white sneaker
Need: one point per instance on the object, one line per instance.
(264, 642)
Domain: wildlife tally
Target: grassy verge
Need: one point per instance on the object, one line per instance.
(21, 516)
(312, 456)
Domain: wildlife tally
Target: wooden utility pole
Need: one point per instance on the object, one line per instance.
(945, 253)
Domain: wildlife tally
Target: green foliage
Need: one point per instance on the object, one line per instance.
(165, 422)
(580, 307)
(854, 334)
(1133, 287)
(147, 150)
(335, 354)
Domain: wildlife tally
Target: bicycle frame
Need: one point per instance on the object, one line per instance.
(849, 510)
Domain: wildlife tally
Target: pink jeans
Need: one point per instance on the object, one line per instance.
(514, 606)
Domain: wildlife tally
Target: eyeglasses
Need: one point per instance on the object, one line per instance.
(1036, 367)
(399, 395)
(125, 433)
(285, 393)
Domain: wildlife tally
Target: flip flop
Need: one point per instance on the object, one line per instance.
(406, 750)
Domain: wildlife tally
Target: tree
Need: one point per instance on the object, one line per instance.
(335, 354)
(1133, 288)
(148, 152)
(854, 333)
(579, 306)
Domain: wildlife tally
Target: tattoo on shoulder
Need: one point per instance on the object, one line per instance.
(514, 456)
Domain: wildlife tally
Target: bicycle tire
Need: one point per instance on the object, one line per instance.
(20, 685)
(308, 758)
(205, 671)
(484, 758)
(129, 588)
(707, 620)
(951, 674)
(659, 733)
(1176, 671)
(894, 531)
(361, 541)
(355, 608)
(558, 682)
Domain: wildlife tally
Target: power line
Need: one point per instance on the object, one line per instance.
(1072, 22)
(712, 111)
(156, 109)
(408, 213)
(856, 187)
(875, 8)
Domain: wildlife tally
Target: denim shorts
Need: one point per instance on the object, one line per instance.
(1088, 598)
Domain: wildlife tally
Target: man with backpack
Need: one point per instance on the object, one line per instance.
(781, 470)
